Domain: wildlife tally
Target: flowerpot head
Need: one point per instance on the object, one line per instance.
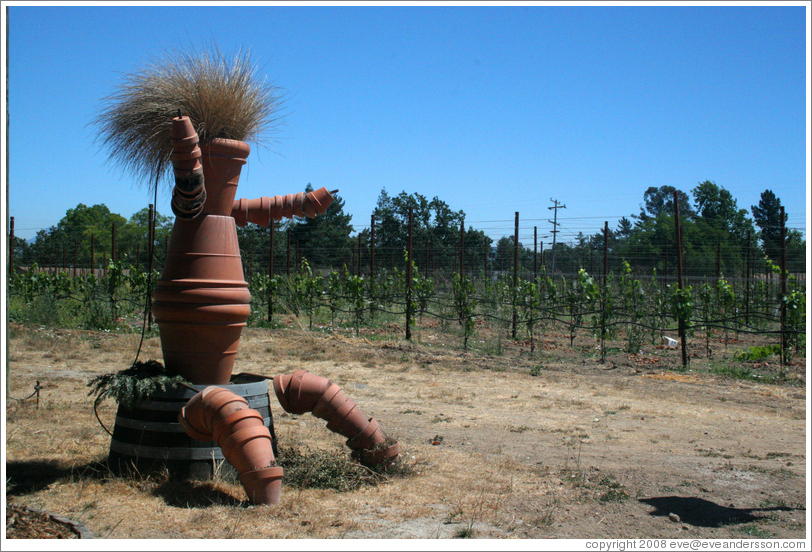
(223, 96)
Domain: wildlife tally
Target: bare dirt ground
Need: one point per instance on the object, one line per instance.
(583, 449)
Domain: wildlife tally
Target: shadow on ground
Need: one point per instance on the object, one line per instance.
(704, 513)
(194, 494)
(31, 476)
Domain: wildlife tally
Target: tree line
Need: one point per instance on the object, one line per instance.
(719, 238)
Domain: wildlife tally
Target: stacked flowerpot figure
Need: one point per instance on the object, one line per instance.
(202, 303)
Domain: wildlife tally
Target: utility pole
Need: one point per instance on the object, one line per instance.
(555, 209)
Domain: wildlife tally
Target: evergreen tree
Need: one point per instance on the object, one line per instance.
(324, 240)
(435, 226)
(767, 215)
(661, 200)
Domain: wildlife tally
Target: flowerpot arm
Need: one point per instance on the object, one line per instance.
(264, 209)
(189, 193)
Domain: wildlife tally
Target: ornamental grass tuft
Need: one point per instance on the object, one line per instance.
(222, 95)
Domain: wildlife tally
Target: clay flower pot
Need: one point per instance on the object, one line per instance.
(263, 486)
(184, 140)
(193, 413)
(197, 432)
(220, 403)
(248, 449)
(379, 456)
(348, 420)
(308, 388)
(280, 387)
(222, 164)
(210, 405)
(370, 436)
(300, 391)
(322, 409)
(236, 421)
(189, 193)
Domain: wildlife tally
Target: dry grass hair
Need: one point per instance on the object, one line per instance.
(223, 96)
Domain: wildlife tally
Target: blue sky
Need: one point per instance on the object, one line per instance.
(493, 109)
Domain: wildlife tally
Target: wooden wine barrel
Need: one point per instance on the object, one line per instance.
(149, 438)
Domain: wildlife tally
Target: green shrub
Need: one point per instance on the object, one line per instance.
(758, 353)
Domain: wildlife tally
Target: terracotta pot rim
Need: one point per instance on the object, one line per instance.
(217, 399)
(271, 472)
(222, 425)
(375, 457)
(307, 388)
(341, 413)
(280, 386)
(239, 415)
(242, 436)
(324, 402)
(190, 430)
(364, 435)
(226, 147)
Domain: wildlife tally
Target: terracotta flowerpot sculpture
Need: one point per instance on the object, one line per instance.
(223, 416)
(201, 301)
(302, 392)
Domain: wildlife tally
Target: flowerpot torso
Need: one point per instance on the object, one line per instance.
(201, 301)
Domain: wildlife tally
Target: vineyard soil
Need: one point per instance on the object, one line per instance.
(553, 445)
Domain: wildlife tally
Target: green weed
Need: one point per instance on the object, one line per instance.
(758, 352)
(755, 531)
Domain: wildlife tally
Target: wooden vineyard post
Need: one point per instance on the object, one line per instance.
(747, 283)
(92, 253)
(462, 249)
(272, 225)
(360, 271)
(681, 321)
(605, 252)
(783, 267)
(462, 264)
(604, 289)
(426, 254)
(515, 274)
(113, 243)
(409, 276)
(535, 253)
(11, 246)
(150, 255)
(372, 247)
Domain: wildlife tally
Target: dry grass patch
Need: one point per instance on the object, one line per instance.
(512, 444)
(673, 376)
